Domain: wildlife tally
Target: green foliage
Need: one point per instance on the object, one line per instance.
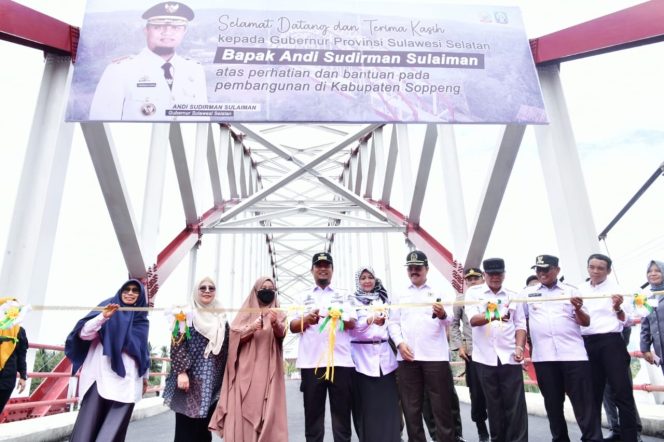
(45, 361)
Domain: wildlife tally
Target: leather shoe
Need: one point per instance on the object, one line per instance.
(612, 436)
(460, 439)
(484, 438)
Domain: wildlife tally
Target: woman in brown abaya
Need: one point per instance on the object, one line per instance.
(252, 405)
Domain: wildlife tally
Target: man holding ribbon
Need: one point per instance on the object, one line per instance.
(556, 314)
(499, 336)
(324, 356)
(606, 348)
(147, 85)
(418, 328)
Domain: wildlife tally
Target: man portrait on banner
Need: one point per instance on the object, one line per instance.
(146, 85)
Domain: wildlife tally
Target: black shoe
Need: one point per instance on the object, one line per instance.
(484, 438)
(460, 439)
(612, 436)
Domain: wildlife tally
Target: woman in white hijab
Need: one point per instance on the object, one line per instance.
(198, 360)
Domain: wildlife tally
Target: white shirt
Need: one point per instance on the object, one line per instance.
(554, 331)
(312, 350)
(426, 336)
(134, 88)
(603, 319)
(497, 339)
(371, 359)
(97, 368)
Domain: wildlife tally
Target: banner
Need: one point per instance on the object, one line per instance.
(316, 61)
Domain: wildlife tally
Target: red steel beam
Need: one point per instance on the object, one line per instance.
(635, 26)
(22, 25)
(438, 255)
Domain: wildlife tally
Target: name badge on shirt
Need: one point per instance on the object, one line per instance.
(145, 82)
(535, 295)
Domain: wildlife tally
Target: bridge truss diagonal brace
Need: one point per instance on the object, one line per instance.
(500, 170)
(438, 255)
(104, 159)
(335, 187)
(265, 192)
(571, 212)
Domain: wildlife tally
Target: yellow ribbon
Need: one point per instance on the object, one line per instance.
(333, 317)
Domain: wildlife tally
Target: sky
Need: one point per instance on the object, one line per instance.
(614, 101)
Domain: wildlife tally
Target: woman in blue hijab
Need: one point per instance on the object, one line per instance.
(652, 326)
(111, 349)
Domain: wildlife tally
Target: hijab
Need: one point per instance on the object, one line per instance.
(208, 322)
(254, 388)
(8, 345)
(125, 331)
(660, 266)
(378, 291)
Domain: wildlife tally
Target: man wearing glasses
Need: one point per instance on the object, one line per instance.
(556, 314)
(146, 86)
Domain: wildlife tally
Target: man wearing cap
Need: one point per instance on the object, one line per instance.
(559, 356)
(418, 329)
(147, 85)
(499, 336)
(464, 343)
(606, 348)
(312, 356)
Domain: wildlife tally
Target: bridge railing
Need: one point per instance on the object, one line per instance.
(56, 388)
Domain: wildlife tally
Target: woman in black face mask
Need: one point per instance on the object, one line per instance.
(253, 395)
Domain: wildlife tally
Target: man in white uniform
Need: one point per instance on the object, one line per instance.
(419, 332)
(499, 336)
(147, 85)
(556, 314)
(312, 354)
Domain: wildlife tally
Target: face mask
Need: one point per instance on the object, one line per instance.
(266, 296)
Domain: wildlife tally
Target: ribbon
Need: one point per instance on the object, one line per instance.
(11, 314)
(333, 318)
(492, 310)
(182, 322)
(641, 303)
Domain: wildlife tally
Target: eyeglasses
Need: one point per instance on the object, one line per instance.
(542, 269)
(131, 289)
(207, 288)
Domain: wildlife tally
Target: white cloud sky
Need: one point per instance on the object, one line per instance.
(614, 101)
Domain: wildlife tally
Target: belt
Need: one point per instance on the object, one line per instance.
(377, 341)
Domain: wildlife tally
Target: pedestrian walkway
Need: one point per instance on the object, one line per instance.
(153, 421)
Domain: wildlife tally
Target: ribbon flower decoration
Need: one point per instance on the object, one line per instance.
(642, 305)
(492, 310)
(334, 319)
(182, 321)
(12, 313)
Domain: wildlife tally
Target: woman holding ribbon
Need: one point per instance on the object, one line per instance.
(198, 360)
(111, 349)
(652, 326)
(13, 349)
(252, 404)
(376, 413)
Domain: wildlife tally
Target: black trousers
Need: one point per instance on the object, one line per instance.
(413, 379)
(610, 361)
(4, 397)
(101, 419)
(478, 407)
(315, 390)
(505, 400)
(376, 412)
(190, 429)
(427, 414)
(574, 378)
